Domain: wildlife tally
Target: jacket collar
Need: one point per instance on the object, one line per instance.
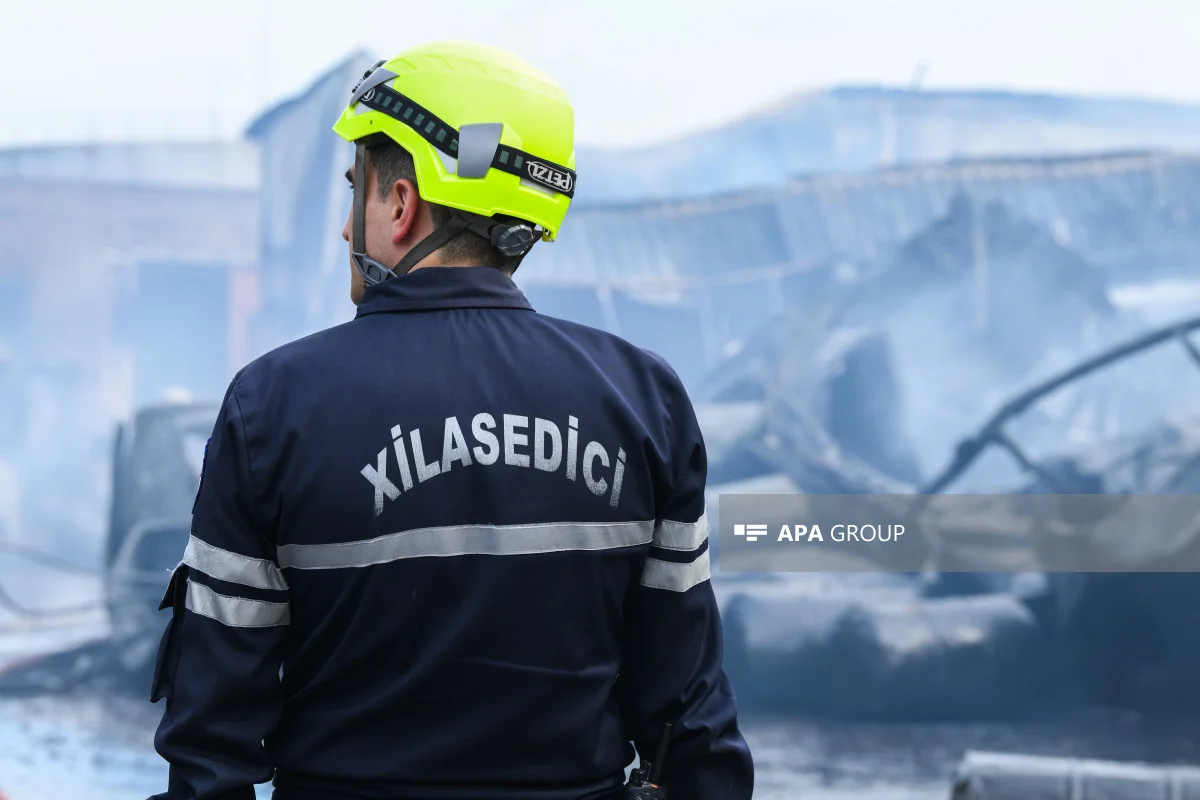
(432, 288)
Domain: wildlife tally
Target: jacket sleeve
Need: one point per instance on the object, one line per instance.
(672, 668)
(219, 662)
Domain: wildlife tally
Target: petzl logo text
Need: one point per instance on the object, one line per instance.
(752, 532)
(550, 176)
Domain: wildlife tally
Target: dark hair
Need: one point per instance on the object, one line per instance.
(393, 163)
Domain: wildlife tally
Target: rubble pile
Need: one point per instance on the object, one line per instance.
(838, 399)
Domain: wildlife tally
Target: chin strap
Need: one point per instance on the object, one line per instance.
(513, 238)
(371, 270)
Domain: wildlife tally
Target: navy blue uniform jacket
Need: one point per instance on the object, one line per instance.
(452, 548)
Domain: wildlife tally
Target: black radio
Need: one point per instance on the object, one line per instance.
(643, 781)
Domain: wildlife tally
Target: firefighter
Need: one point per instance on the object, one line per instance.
(452, 548)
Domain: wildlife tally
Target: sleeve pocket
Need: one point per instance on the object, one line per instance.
(175, 598)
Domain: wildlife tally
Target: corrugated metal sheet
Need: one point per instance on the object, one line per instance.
(863, 128)
(1110, 208)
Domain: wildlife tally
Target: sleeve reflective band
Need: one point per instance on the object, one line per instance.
(682, 559)
(232, 567)
(236, 612)
(438, 133)
(672, 535)
(675, 576)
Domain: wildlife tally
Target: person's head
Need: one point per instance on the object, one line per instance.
(466, 157)
(398, 218)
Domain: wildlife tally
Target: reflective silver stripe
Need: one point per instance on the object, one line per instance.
(226, 566)
(671, 535)
(675, 577)
(236, 612)
(499, 540)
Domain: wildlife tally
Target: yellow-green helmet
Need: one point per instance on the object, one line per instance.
(489, 134)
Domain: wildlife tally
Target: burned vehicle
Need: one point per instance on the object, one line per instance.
(156, 465)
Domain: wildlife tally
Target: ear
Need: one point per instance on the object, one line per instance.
(404, 205)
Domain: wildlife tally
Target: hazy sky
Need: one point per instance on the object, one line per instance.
(637, 70)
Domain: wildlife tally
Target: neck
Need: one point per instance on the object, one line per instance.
(434, 260)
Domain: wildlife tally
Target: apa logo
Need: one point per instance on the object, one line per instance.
(550, 176)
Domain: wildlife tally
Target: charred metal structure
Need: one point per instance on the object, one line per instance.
(959, 642)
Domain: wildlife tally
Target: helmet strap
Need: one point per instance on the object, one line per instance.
(371, 270)
(439, 238)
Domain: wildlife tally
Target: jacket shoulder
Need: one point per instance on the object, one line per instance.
(640, 358)
(280, 362)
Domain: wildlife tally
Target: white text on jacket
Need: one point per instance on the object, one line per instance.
(507, 443)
